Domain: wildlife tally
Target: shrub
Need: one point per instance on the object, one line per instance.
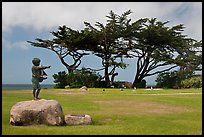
(142, 84)
(167, 80)
(83, 77)
(60, 79)
(79, 78)
(193, 82)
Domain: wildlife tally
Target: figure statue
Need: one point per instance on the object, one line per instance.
(38, 74)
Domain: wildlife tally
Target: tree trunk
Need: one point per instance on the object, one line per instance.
(137, 81)
(107, 80)
(113, 77)
(70, 70)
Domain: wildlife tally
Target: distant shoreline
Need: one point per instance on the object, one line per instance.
(23, 86)
(43, 86)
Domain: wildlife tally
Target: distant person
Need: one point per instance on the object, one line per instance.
(37, 76)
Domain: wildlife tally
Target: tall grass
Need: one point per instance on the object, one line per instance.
(115, 112)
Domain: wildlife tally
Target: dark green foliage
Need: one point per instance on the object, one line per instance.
(102, 84)
(142, 84)
(173, 80)
(167, 79)
(66, 43)
(108, 42)
(60, 79)
(155, 46)
(152, 43)
(83, 77)
(78, 78)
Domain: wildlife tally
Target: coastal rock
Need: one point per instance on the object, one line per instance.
(41, 111)
(78, 119)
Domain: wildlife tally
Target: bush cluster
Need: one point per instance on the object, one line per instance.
(172, 80)
(193, 82)
(78, 78)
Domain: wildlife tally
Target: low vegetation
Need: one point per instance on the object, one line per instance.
(115, 111)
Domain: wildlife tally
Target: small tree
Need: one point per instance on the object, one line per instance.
(83, 77)
(60, 79)
(167, 79)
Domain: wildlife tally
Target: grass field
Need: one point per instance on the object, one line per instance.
(115, 112)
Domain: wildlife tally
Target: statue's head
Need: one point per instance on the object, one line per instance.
(36, 61)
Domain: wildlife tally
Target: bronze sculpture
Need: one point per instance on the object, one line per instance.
(38, 74)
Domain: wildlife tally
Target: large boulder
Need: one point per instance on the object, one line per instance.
(41, 111)
(78, 119)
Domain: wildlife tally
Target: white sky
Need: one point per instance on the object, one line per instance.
(42, 16)
(37, 19)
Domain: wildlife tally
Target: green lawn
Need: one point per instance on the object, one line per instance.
(130, 112)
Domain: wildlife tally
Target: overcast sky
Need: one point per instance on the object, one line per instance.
(23, 21)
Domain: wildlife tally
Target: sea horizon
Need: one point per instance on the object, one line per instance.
(24, 86)
(29, 86)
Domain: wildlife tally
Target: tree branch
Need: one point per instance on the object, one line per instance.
(161, 71)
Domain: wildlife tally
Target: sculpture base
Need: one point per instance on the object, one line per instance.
(78, 119)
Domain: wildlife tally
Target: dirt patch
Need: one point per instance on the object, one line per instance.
(140, 107)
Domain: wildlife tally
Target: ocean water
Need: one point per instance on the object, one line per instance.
(24, 86)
